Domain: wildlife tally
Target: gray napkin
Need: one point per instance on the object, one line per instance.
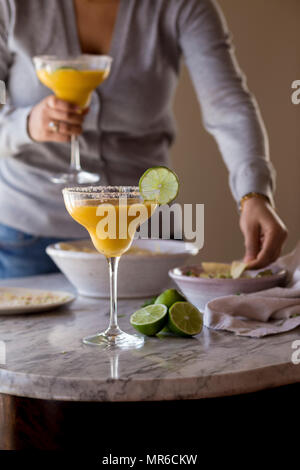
(262, 313)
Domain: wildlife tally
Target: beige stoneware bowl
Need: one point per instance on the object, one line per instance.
(140, 275)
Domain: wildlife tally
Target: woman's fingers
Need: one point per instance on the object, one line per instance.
(270, 249)
(62, 131)
(65, 107)
(55, 120)
(61, 138)
(61, 105)
(252, 242)
(264, 233)
(65, 116)
(272, 246)
(66, 112)
(267, 253)
(68, 129)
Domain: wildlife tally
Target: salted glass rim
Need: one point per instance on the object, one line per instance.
(103, 190)
(108, 192)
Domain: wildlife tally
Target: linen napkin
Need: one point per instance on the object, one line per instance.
(261, 313)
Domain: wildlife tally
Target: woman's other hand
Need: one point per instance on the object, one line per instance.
(264, 233)
(66, 119)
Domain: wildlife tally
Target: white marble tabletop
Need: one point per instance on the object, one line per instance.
(45, 357)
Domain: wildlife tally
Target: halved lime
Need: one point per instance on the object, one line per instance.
(169, 297)
(185, 319)
(150, 320)
(159, 184)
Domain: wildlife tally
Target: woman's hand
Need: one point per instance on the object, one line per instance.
(264, 233)
(67, 119)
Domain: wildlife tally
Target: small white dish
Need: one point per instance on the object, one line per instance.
(15, 300)
(199, 291)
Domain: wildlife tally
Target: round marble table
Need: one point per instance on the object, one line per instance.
(46, 359)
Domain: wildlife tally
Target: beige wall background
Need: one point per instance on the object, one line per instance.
(266, 35)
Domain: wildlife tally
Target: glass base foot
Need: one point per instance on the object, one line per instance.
(119, 341)
(78, 177)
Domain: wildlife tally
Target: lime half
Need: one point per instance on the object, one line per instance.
(159, 184)
(185, 319)
(169, 297)
(150, 320)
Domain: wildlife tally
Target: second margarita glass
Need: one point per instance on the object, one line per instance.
(73, 80)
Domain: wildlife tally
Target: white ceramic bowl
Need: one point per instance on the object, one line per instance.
(140, 275)
(199, 291)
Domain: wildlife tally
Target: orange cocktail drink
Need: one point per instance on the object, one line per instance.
(112, 224)
(74, 86)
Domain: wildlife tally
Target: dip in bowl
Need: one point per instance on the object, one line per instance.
(199, 290)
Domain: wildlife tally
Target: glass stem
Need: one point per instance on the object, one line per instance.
(75, 153)
(113, 328)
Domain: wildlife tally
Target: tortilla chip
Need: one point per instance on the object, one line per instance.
(216, 268)
(237, 269)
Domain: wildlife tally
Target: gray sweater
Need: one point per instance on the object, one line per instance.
(130, 126)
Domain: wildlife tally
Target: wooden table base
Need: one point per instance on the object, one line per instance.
(52, 425)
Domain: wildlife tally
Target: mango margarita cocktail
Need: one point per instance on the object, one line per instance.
(112, 214)
(112, 224)
(75, 86)
(73, 79)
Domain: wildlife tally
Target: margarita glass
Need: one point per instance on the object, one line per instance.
(73, 80)
(111, 214)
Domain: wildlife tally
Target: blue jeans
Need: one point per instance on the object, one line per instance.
(22, 254)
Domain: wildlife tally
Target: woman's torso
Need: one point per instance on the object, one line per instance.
(130, 124)
(95, 24)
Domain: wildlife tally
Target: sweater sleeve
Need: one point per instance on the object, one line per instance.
(13, 121)
(230, 113)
